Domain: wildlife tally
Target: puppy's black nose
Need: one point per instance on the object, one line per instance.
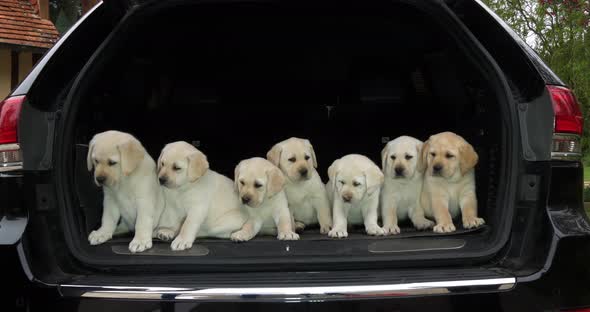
(246, 199)
(101, 179)
(162, 180)
(399, 171)
(303, 172)
(437, 168)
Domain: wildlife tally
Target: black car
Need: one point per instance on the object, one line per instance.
(235, 77)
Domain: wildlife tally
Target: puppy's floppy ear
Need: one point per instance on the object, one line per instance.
(197, 165)
(159, 163)
(274, 155)
(275, 183)
(236, 175)
(89, 162)
(333, 172)
(132, 153)
(468, 157)
(421, 148)
(423, 156)
(384, 157)
(313, 158)
(374, 178)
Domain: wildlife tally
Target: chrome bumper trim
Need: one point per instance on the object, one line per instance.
(289, 294)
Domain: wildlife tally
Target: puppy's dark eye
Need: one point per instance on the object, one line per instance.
(448, 155)
(341, 182)
(242, 183)
(356, 184)
(112, 163)
(292, 159)
(307, 157)
(257, 185)
(176, 168)
(392, 157)
(408, 157)
(433, 154)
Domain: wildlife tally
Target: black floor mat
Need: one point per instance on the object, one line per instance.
(356, 233)
(359, 233)
(409, 240)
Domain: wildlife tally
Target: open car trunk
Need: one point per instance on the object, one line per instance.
(235, 78)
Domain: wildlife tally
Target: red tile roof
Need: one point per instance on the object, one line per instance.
(19, 25)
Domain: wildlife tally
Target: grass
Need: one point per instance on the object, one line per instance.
(586, 163)
(587, 191)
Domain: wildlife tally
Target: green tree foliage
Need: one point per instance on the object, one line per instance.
(64, 13)
(559, 31)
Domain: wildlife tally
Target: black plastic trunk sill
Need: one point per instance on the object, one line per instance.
(163, 250)
(381, 246)
(418, 244)
(410, 240)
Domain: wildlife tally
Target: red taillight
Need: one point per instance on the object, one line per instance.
(568, 124)
(568, 116)
(9, 114)
(10, 154)
(578, 310)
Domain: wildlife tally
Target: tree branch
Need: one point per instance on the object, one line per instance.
(518, 6)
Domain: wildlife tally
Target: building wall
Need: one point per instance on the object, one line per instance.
(5, 70)
(44, 9)
(14, 67)
(25, 64)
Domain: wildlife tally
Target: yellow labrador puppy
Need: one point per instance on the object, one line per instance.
(132, 195)
(260, 187)
(205, 199)
(353, 190)
(449, 182)
(305, 190)
(400, 194)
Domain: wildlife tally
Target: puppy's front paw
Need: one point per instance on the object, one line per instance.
(473, 222)
(423, 224)
(181, 243)
(139, 245)
(98, 237)
(299, 226)
(391, 229)
(325, 229)
(338, 233)
(444, 228)
(240, 236)
(288, 236)
(375, 230)
(165, 234)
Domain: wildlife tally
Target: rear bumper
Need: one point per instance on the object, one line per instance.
(566, 284)
(289, 294)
